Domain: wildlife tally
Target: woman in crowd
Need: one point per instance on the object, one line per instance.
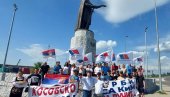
(121, 76)
(66, 69)
(82, 70)
(73, 67)
(19, 82)
(97, 69)
(124, 69)
(89, 68)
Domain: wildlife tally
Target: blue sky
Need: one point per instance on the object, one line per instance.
(39, 23)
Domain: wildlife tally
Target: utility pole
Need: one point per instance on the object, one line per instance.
(9, 38)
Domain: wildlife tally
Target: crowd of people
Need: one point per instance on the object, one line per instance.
(86, 76)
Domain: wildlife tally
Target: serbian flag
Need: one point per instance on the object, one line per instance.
(55, 79)
(49, 53)
(124, 56)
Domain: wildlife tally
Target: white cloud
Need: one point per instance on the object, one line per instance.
(143, 48)
(34, 51)
(118, 11)
(164, 58)
(105, 44)
(164, 46)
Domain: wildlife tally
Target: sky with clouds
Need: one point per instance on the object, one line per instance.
(40, 23)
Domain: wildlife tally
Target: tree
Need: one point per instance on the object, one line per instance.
(37, 65)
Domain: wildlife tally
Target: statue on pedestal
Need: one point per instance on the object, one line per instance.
(85, 14)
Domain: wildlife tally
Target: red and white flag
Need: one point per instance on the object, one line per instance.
(104, 57)
(88, 57)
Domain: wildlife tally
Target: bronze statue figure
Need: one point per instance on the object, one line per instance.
(85, 14)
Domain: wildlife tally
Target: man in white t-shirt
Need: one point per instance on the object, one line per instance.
(88, 84)
(99, 86)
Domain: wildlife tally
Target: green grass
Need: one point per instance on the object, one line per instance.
(162, 92)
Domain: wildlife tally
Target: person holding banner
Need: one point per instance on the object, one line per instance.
(34, 79)
(74, 78)
(99, 86)
(19, 82)
(44, 69)
(88, 84)
(140, 80)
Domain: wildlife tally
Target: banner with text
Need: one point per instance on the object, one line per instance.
(120, 88)
(67, 90)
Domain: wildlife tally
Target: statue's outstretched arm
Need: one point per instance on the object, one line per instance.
(94, 6)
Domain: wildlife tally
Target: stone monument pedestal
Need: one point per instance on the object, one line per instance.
(85, 39)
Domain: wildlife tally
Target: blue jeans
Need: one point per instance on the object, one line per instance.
(87, 93)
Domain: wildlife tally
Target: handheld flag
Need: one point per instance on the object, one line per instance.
(104, 57)
(124, 56)
(75, 55)
(138, 59)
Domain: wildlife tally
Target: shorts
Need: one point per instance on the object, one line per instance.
(141, 90)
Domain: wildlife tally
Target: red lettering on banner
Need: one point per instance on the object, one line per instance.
(72, 88)
(39, 91)
(62, 89)
(114, 95)
(45, 93)
(50, 91)
(56, 90)
(66, 89)
(33, 92)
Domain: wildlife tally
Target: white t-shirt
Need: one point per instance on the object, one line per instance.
(99, 87)
(65, 70)
(89, 69)
(18, 83)
(72, 69)
(97, 69)
(88, 83)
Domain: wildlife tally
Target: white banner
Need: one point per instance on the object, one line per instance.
(120, 88)
(68, 90)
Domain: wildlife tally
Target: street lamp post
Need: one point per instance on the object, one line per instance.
(9, 38)
(146, 54)
(158, 50)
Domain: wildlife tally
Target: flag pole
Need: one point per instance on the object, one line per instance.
(9, 38)
(146, 54)
(125, 42)
(158, 50)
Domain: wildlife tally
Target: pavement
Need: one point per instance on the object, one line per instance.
(166, 88)
(156, 94)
